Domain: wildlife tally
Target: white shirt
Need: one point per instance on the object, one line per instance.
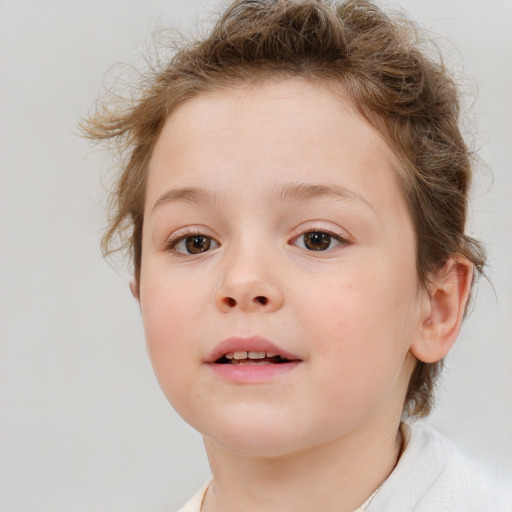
(434, 476)
(431, 476)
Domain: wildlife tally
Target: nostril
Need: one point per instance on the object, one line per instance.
(229, 301)
(262, 300)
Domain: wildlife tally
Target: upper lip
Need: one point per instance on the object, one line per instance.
(247, 344)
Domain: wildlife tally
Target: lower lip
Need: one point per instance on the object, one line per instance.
(249, 374)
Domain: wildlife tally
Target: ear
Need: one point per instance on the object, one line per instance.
(444, 310)
(134, 288)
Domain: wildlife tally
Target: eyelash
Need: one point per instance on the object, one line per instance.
(173, 241)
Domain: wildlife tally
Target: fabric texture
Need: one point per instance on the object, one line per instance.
(431, 476)
(194, 505)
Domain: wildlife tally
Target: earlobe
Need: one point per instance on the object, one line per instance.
(444, 311)
(134, 288)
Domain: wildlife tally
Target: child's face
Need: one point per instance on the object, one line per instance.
(288, 226)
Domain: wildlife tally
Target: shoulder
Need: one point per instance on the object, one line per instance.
(433, 474)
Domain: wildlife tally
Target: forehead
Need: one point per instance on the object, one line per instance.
(270, 131)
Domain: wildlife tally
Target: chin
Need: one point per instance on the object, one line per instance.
(271, 442)
(254, 437)
(261, 447)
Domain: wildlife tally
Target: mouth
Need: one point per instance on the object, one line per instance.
(254, 350)
(255, 358)
(251, 360)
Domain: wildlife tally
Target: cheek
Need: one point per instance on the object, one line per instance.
(362, 326)
(355, 310)
(171, 303)
(168, 315)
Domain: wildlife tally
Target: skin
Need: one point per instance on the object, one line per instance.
(325, 435)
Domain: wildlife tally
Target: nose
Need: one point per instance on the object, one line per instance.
(249, 285)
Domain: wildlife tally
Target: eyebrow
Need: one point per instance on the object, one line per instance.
(306, 191)
(288, 191)
(193, 195)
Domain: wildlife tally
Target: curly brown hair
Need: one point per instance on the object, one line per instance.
(406, 92)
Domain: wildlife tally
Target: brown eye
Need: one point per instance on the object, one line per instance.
(197, 244)
(192, 244)
(318, 241)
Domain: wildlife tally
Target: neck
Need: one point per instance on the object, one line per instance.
(335, 476)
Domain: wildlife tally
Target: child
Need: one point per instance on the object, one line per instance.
(294, 201)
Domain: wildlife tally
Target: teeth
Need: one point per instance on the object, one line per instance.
(249, 362)
(240, 355)
(257, 355)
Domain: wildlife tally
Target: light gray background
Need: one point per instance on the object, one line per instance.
(83, 425)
